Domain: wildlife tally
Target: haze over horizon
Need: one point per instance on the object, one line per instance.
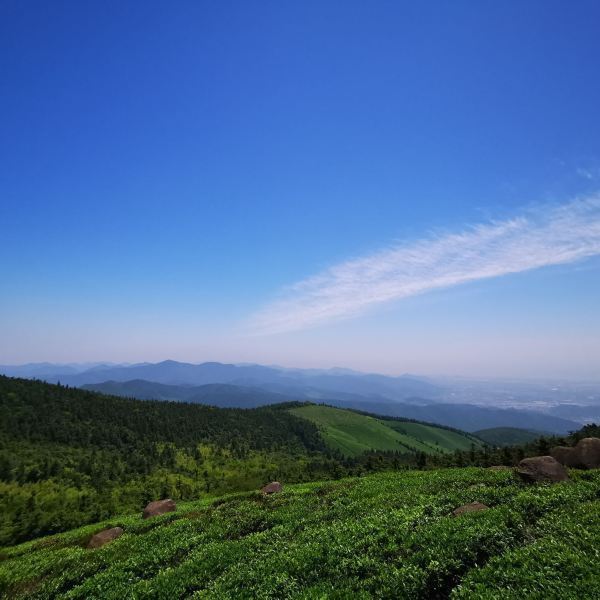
(335, 368)
(390, 188)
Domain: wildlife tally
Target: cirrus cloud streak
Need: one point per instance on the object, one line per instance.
(554, 235)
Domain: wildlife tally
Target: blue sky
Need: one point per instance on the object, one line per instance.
(193, 180)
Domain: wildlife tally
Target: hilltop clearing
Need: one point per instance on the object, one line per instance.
(353, 433)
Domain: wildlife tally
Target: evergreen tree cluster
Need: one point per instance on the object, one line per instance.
(69, 456)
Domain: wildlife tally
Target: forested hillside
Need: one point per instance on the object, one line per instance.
(507, 436)
(69, 456)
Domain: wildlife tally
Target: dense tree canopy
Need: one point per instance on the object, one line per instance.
(68, 456)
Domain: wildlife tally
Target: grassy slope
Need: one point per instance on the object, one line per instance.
(387, 535)
(353, 433)
(435, 436)
(507, 436)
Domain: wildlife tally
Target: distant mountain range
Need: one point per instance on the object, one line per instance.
(248, 386)
(302, 382)
(223, 395)
(582, 414)
(467, 417)
(50, 371)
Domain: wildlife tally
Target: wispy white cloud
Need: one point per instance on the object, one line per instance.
(591, 173)
(544, 236)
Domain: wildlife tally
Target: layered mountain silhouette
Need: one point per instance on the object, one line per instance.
(223, 395)
(289, 381)
(249, 386)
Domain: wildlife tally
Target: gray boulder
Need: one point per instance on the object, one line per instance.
(541, 468)
(103, 537)
(587, 453)
(564, 455)
(159, 507)
(272, 488)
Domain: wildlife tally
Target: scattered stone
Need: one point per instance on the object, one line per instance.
(541, 468)
(159, 507)
(564, 455)
(587, 453)
(103, 537)
(272, 488)
(467, 508)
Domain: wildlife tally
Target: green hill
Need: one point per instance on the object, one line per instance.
(353, 433)
(388, 535)
(508, 436)
(70, 456)
(442, 438)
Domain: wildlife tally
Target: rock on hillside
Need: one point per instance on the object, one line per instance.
(103, 537)
(272, 488)
(585, 455)
(565, 455)
(588, 453)
(159, 507)
(541, 468)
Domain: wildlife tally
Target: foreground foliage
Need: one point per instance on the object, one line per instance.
(388, 535)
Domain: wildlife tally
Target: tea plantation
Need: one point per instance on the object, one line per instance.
(386, 535)
(353, 433)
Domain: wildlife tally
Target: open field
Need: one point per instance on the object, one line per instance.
(353, 433)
